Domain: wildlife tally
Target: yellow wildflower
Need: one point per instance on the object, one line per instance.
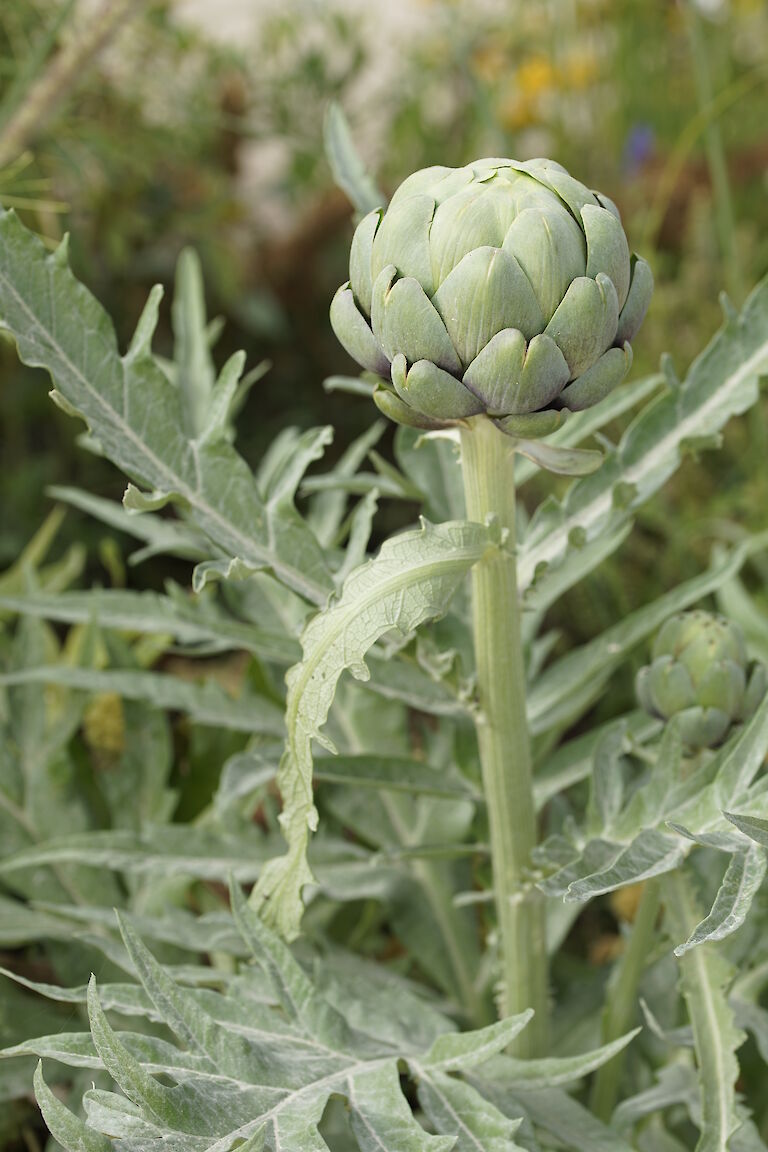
(536, 76)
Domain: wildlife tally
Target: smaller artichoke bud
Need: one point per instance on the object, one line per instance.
(700, 675)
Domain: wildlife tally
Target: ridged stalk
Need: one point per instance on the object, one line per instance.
(502, 733)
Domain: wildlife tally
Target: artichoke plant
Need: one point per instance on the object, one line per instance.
(701, 676)
(503, 287)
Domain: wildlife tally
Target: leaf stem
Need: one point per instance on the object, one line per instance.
(704, 975)
(621, 1004)
(502, 733)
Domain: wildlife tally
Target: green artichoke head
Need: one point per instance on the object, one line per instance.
(700, 675)
(503, 288)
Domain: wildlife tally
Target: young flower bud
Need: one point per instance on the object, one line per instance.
(700, 675)
(503, 287)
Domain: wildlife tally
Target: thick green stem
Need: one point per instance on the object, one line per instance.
(621, 1005)
(502, 733)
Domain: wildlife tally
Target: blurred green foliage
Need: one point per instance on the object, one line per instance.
(170, 137)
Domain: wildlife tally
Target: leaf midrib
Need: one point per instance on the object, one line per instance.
(192, 495)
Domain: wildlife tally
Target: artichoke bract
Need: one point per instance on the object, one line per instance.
(503, 287)
(700, 675)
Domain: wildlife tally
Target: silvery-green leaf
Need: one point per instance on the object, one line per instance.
(460, 1050)
(395, 774)
(721, 382)
(256, 1073)
(572, 761)
(195, 373)
(568, 1122)
(189, 621)
(53, 577)
(651, 801)
(704, 974)
(173, 850)
(753, 826)
(675, 1084)
(159, 534)
(455, 1108)
(606, 785)
(360, 529)
(352, 385)
(737, 765)
(604, 865)
(484, 294)
(433, 465)
(206, 703)
(411, 580)
(652, 853)
(381, 1118)
(563, 461)
(228, 385)
(347, 167)
(743, 877)
(63, 1125)
(327, 508)
(607, 248)
(59, 326)
(550, 1071)
(246, 774)
(20, 924)
(583, 424)
(584, 324)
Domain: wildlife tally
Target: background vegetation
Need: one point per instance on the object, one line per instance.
(166, 133)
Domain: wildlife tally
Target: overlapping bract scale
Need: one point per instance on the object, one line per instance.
(502, 287)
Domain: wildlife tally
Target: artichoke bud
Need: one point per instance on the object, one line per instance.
(701, 676)
(502, 288)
